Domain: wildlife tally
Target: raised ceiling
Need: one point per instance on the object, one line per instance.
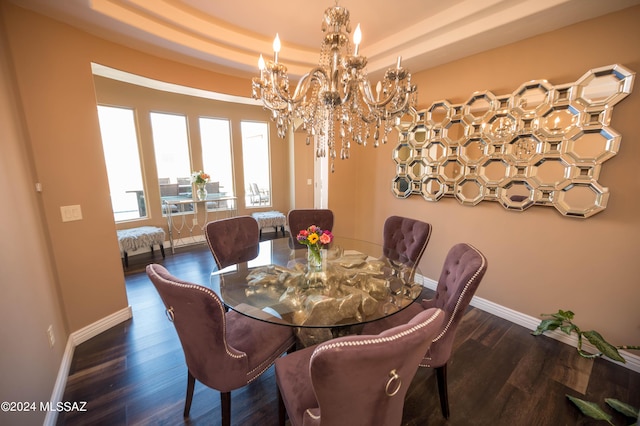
(228, 36)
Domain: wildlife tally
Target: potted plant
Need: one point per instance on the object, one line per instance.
(563, 320)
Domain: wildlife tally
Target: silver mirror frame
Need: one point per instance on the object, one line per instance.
(542, 145)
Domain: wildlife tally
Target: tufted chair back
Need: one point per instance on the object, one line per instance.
(223, 350)
(233, 240)
(356, 380)
(461, 274)
(404, 239)
(303, 218)
(199, 318)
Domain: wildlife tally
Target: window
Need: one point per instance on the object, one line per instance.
(215, 136)
(120, 146)
(255, 156)
(171, 146)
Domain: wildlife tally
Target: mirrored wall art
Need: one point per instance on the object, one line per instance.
(542, 145)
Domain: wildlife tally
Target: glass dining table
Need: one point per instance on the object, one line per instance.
(357, 282)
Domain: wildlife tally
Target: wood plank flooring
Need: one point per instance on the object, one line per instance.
(134, 373)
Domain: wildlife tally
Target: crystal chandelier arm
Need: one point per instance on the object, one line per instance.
(318, 74)
(371, 101)
(275, 82)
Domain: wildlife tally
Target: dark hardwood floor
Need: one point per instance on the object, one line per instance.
(134, 373)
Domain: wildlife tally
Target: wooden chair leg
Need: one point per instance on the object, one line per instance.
(225, 404)
(282, 411)
(191, 382)
(441, 375)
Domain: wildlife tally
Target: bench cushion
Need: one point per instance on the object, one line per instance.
(272, 219)
(135, 238)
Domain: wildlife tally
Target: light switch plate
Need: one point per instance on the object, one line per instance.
(71, 213)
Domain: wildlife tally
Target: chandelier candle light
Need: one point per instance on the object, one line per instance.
(336, 96)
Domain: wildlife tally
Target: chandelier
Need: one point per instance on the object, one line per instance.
(335, 99)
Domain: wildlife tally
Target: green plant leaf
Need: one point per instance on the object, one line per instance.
(566, 315)
(547, 325)
(603, 346)
(622, 407)
(590, 409)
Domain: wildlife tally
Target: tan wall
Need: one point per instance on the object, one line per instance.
(539, 260)
(303, 170)
(55, 83)
(29, 302)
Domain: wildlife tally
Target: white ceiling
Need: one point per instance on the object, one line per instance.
(228, 36)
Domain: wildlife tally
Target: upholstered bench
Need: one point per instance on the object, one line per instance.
(272, 219)
(135, 238)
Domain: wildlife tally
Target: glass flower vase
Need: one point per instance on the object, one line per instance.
(314, 257)
(201, 191)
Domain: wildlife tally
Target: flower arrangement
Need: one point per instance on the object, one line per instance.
(314, 238)
(200, 178)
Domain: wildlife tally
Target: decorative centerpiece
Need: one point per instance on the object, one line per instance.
(315, 239)
(200, 179)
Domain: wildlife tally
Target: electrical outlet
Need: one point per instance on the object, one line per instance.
(71, 213)
(52, 339)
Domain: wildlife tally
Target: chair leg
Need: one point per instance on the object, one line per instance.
(282, 411)
(441, 375)
(191, 382)
(225, 404)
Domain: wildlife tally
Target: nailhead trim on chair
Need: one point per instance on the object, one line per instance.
(330, 345)
(215, 298)
(455, 310)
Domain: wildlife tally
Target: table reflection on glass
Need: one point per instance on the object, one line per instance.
(355, 284)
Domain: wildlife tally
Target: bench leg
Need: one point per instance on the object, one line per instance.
(126, 260)
(162, 250)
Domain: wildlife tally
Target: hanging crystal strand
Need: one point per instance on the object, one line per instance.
(341, 74)
(320, 143)
(376, 134)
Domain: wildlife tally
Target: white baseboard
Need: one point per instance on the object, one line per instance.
(76, 338)
(61, 382)
(531, 323)
(99, 326)
(92, 330)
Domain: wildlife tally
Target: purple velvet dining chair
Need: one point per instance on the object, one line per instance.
(460, 277)
(223, 350)
(405, 239)
(355, 380)
(299, 219)
(233, 240)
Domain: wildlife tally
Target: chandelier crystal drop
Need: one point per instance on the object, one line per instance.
(335, 100)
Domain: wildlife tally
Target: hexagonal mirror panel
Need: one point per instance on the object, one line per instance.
(469, 192)
(593, 146)
(433, 189)
(582, 199)
(541, 145)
